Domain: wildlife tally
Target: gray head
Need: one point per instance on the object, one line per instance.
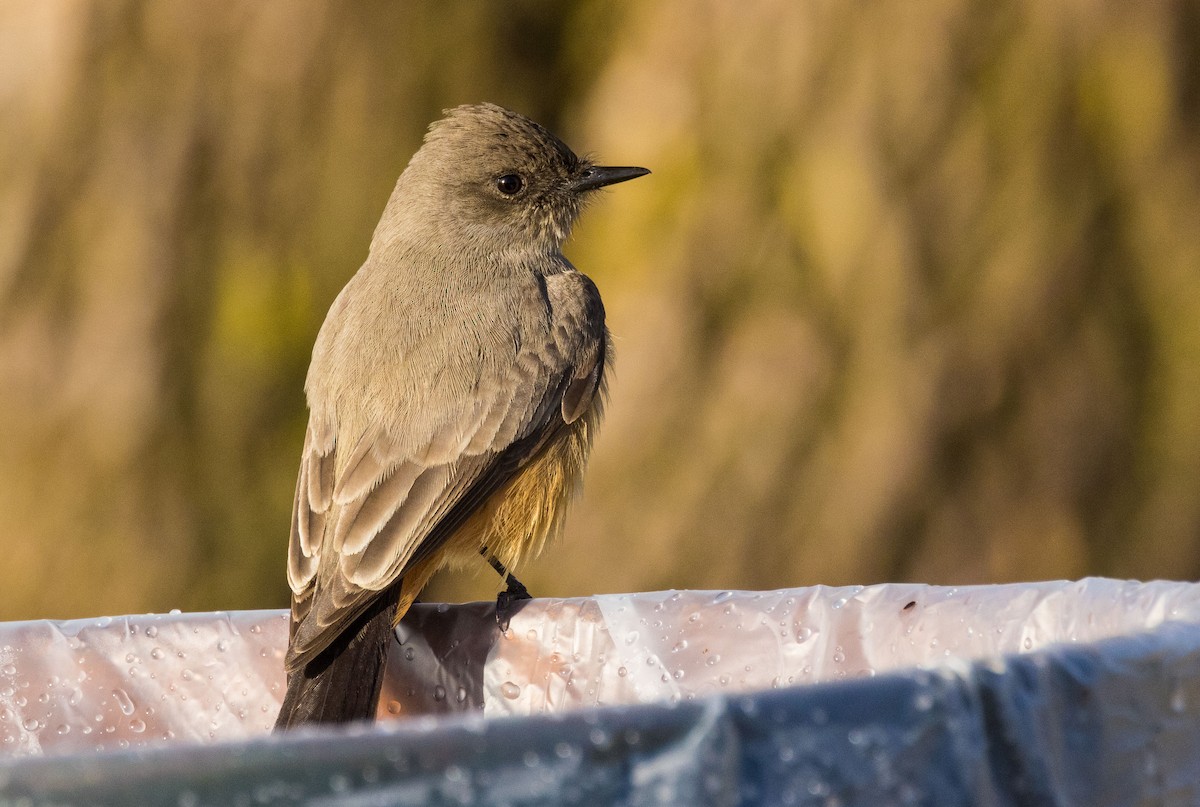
(488, 178)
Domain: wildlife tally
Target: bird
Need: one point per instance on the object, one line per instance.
(455, 389)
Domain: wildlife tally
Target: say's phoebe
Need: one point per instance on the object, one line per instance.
(453, 395)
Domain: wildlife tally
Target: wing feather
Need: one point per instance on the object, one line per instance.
(302, 561)
(365, 466)
(584, 385)
(361, 520)
(374, 567)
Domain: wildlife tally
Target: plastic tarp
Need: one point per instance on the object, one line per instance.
(1050, 693)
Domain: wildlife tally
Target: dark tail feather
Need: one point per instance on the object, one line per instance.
(342, 684)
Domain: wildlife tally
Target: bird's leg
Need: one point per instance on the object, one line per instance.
(516, 590)
(514, 593)
(493, 561)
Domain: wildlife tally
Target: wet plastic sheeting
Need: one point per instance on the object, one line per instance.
(99, 684)
(1059, 693)
(1114, 723)
(108, 683)
(675, 645)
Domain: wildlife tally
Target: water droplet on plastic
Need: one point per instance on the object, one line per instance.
(680, 645)
(722, 597)
(510, 690)
(631, 637)
(713, 659)
(156, 653)
(531, 759)
(152, 631)
(1028, 643)
(174, 612)
(8, 669)
(31, 724)
(137, 726)
(124, 702)
(410, 653)
(461, 695)
(564, 750)
(439, 693)
(222, 645)
(621, 671)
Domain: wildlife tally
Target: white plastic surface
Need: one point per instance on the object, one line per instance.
(671, 645)
(115, 682)
(89, 685)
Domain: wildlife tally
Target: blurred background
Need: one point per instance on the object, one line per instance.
(913, 293)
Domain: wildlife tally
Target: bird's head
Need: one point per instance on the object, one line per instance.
(490, 179)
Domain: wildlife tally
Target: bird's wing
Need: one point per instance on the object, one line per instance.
(390, 504)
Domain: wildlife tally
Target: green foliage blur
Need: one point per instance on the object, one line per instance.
(912, 294)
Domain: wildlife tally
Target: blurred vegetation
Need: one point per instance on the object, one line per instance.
(913, 292)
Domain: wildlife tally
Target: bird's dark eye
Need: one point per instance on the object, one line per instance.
(510, 184)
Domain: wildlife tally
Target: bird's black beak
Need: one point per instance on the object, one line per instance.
(597, 176)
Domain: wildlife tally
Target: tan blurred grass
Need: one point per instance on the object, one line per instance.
(913, 292)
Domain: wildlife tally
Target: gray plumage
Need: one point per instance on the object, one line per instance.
(458, 373)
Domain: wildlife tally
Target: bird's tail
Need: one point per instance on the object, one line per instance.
(342, 683)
